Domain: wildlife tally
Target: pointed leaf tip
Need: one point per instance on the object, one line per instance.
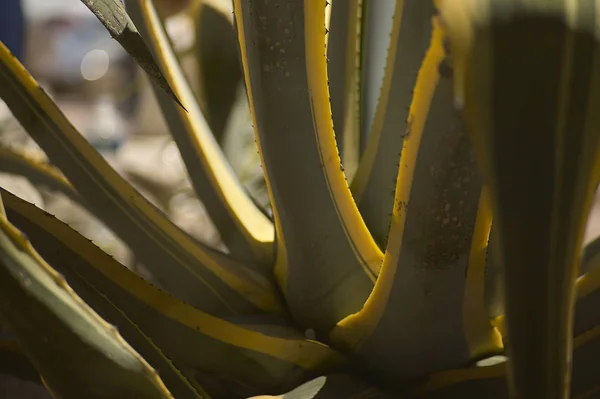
(134, 44)
(115, 19)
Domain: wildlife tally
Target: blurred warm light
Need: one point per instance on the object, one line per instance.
(180, 28)
(94, 64)
(171, 154)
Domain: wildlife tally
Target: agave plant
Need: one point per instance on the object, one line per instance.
(391, 283)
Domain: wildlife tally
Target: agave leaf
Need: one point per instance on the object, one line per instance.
(219, 69)
(514, 117)
(247, 232)
(493, 275)
(435, 257)
(491, 381)
(197, 274)
(590, 253)
(374, 183)
(326, 260)
(56, 252)
(333, 386)
(494, 294)
(587, 284)
(113, 16)
(38, 173)
(242, 357)
(377, 25)
(14, 362)
(588, 297)
(180, 385)
(349, 386)
(343, 70)
(77, 353)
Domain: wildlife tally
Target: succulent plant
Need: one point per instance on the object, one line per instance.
(393, 282)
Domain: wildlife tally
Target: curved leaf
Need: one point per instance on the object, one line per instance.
(247, 232)
(333, 386)
(238, 357)
(530, 107)
(590, 253)
(40, 174)
(343, 71)
(50, 248)
(219, 69)
(349, 386)
(430, 291)
(326, 260)
(77, 352)
(374, 183)
(493, 275)
(200, 275)
(494, 295)
(491, 382)
(377, 25)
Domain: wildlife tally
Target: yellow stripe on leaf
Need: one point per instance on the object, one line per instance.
(196, 341)
(326, 259)
(175, 259)
(246, 231)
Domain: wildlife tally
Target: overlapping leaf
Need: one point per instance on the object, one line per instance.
(40, 174)
(490, 381)
(77, 352)
(530, 107)
(429, 294)
(219, 69)
(327, 260)
(244, 356)
(344, 71)
(246, 231)
(204, 277)
(374, 183)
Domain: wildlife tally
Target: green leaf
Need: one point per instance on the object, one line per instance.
(588, 293)
(78, 354)
(247, 232)
(374, 182)
(490, 381)
(113, 16)
(333, 386)
(235, 357)
(435, 257)
(343, 71)
(39, 227)
(494, 295)
(326, 260)
(376, 36)
(219, 69)
(530, 107)
(348, 386)
(194, 272)
(38, 173)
